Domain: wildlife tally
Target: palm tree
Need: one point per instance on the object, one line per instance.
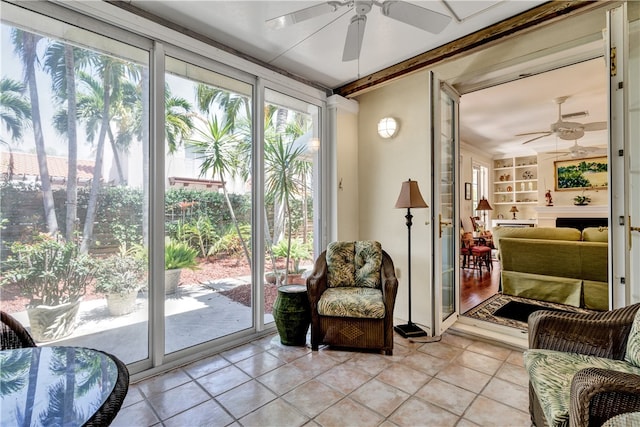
(231, 103)
(60, 62)
(15, 110)
(217, 145)
(112, 72)
(25, 44)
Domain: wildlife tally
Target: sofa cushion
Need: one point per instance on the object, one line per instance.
(368, 259)
(595, 234)
(595, 295)
(551, 372)
(340, 264)
(623, 420)
(358, 302)
(545, 233)
(633, 342)
(540, 287)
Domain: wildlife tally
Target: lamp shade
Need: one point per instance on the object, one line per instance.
(410, 196)
(483, 205)
(514, 209)
(387, 127)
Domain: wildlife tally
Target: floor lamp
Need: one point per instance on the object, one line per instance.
(410, 197)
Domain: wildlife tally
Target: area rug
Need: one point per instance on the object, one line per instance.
(513, 311)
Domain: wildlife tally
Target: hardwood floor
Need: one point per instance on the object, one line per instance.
(476, 288)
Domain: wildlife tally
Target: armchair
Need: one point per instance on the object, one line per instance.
(352, 292)
(13, 334)
(583, 368)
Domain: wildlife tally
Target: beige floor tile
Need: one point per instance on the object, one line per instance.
(515, 374)
(508, 393)
(133, 396)
(259, 364)
(479, 362)
(316, 362)
(276, 413)
(288, 353)
(206, 366)
(466, 378)
(138, 414)
(344, 378)
(372, 364)
(466, 423)
(245, 398)
(223, 380)
(177, 400)
(403, 377)
(380, 397)
(487, 412)
(240, 353)
(284, 379)
(423, 362)
(164, 382)
(347, 413)
(489, 349)
(312, 397)
(416, 413)
(207, 414)
(456, 340)
(515, 358)
(447, 396)
(441, 350)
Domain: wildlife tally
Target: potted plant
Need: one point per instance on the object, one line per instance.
(120, 277)
(54, 275)
(296, 252)
(581, 200)
(177, 255)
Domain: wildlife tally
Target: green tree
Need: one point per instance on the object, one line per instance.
(25, 46)
(217, 147)
(15, 109)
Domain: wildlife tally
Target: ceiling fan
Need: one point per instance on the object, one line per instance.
(407, 13)
(579, 151)
(566, 130)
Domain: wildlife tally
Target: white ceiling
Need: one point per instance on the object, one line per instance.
(312, 50)
(491, 118)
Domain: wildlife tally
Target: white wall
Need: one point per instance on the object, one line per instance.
(383, 165)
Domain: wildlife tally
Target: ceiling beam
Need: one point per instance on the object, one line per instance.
(544, 14)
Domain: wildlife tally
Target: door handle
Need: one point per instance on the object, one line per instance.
(446, 223)
(632, 228)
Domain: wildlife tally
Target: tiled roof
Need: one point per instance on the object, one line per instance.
(26, 164)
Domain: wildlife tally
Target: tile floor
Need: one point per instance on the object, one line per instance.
(454, 382)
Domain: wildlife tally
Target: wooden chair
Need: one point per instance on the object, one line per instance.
(13, 334)
(352, 293)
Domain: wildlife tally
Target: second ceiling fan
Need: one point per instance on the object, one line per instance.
(408, 13)
(563, 129)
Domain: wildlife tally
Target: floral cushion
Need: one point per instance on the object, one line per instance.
(633, 344)
(368, 259)
(359, 302)
(624, 420)
(340, 264)
(551, 373)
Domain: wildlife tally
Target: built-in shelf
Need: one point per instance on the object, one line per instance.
(515, 182)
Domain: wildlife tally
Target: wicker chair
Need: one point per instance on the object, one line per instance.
(340, 316)
(13, 334)
(596, 394)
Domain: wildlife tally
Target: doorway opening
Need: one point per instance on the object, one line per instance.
(513, 128)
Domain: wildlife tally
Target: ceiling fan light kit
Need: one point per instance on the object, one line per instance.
(407, 13)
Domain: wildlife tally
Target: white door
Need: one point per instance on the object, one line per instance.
(624, 96)
(444, 143)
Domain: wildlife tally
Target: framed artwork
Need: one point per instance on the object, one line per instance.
(581, 174)
(467, 191)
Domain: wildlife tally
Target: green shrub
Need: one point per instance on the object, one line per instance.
(179, 255)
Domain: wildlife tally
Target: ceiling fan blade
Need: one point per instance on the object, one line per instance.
(355, 34)
(302, 15)
(588, 127)
(417, 16)
(537, 137)
(533, 133)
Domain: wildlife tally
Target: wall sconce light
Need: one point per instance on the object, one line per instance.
(387, 127)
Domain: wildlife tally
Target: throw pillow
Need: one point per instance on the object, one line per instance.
(368, 259)
(633, 343)
(340, 264)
